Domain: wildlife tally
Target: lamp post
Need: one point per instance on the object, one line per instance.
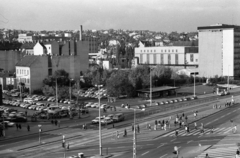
(64, 145)
(228, 80)
(150, 86)
(56, 92)
(39, 131)
(194, 85)
(99, 122)
(70, 89)
(134, 137)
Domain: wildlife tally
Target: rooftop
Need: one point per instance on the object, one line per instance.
(27, 60)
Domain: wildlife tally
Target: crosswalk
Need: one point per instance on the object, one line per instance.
(194, 132)
(223, 152)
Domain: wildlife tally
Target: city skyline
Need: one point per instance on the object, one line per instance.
(164, 15)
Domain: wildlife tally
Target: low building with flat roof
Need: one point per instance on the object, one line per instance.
(157, 92)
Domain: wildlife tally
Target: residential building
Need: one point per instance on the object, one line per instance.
(25, 38)
(32, 70)
(39, 49)
(219, 50)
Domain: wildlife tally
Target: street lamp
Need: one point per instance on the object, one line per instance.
(150, 86)
(134, 137)
(70, 89)
(228, 79)
(39, 131)
(99, 122)
(56, 92)
(64, 145)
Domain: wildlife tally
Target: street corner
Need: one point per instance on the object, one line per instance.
(190, 152)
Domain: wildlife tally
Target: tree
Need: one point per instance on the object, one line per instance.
(118, 84)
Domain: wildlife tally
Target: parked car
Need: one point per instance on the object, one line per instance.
(96, 120)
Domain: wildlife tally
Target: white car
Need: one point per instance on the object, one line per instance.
(95, 105)
(96, 120)
(88, 104)
(106, 120)
(105, 106)
(9, 124)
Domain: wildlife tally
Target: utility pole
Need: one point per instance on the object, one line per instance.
(134, 137)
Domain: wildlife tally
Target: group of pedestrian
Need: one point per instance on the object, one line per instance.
(215, 106)
(56, 122)
(84, 126)
(137, 128)
(228, 104)
(18, 126)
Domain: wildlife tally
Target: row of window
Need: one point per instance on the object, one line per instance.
(22, 72)
(161, 50)
(162, 59)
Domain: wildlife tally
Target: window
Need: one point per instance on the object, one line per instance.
(169, 59)
(151, 50)
(141, 51)
(196, 60)
(144, 50)
(172, 50)
(176, 50)
(141, 58)
(154, 50)
(162, 59)
(161, 50)
(168, 50)
(154, 59)
(165, 50)
(28, 80)
(191, 58)
(148, 58)
(147, 50)
(17, 71)
(176, 59)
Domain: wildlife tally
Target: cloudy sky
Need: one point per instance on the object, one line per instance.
(156, 15)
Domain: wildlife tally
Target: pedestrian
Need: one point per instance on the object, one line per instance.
(26, 113)
(28, 128)
(55, 122)
(125, 132)
(175, 123)
(237, 153)
(138, 128)
(20, 126)
(113, 125)
(235, 129)
(155, 122)
(186, 118)
(59, 123)
(182, 114)
(185, 129)
(149, 126)
(212, 129)
(180, 124)
(195, 125)
(176, 133)
(52, 121)
(132, 127)
(207, 156)
(165, 126)
(117, 134)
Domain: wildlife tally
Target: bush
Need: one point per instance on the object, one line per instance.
(38, 92)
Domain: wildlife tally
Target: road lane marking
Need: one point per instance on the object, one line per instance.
(145, 153)
(163, 155)
(160, 146)
(189, 141)
(173, 139)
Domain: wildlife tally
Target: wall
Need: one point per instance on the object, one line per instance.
(8, 59)
(38, 72)
(228, 54)
(210, 53)
(38, 49)
(158, 51)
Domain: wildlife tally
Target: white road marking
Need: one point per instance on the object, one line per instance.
(173, 140)
(160, 146)
(145, 153)
(189, 141)
(163, 156)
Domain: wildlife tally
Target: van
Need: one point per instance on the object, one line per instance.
(118, 117)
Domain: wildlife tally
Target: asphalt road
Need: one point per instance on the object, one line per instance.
(162, 146)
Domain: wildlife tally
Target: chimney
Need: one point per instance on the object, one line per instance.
(80, 33)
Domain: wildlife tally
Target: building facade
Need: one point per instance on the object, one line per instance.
(168, 55)
(219, 50)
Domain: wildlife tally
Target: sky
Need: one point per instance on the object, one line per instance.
(154, 15)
